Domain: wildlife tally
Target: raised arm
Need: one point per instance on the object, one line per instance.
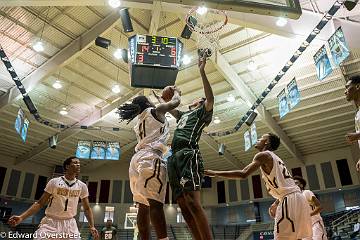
(15, 220)
(209, 102)
(258, 160)
(174, 112)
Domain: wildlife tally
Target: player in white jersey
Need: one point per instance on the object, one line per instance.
(319, 232)
(147, 170)
(61, 195)
(291, 223)
(352, 93)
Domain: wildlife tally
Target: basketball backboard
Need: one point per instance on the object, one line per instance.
(130, 220)
(283, 8)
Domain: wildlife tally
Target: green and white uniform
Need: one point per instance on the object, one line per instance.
(108, 233)
(185, 166)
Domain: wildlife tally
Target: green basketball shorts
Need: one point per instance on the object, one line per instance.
(185, 171)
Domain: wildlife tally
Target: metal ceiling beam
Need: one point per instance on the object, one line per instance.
(294, 28)
(237, 83)
(155, 17)
(87, 121)
(64, 56)
(227, 155)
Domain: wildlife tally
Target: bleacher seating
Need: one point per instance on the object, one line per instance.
(344, 226)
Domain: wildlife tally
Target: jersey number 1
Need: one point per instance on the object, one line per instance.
(66, 203)
(142, 133)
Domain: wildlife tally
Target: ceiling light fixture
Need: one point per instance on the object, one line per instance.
(38, 46)
(63, 111)
(202, 10)
(281, 22)
(186, 59)
(217, 120)
(57, 85)
(118, 54)
(252, 66)
(230, 98)
(116, 89)
(114, 3)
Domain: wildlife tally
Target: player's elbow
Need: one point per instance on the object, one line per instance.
(176, 102)
(242, 174)
(39, 205)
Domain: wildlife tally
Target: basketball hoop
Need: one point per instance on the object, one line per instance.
(207, 25)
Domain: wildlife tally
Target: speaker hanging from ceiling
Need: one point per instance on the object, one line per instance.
(126, 20)
(102, 42)
(350, 4)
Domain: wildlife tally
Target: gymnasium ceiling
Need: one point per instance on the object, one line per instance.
(88, 74)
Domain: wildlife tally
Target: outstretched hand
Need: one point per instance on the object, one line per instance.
(94, 232)
(14, 220)
(358, 166)
(160, 100)
(177, 90)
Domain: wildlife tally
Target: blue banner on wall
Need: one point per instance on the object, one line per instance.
(247, 140)
(24, 129)
(113, 151)
(283, 104)
(98, 150)
(83, 149)
(322, 63)
(253, 134)
(19, 121)
(293, 93)
(21, 125)
(338, 47)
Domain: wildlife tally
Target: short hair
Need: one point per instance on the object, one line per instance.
(68, 161)
(274, 141)
(355, 79)
(301, 180)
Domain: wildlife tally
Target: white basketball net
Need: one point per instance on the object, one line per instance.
(208, 26)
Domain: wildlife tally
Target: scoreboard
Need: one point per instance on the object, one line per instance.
(154, 60)
(156, 51)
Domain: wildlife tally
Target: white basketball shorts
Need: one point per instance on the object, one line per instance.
(319, 231)
(56, 229)
(147, 173)
(292, 219)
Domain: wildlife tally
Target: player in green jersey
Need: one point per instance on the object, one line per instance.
(185, 166)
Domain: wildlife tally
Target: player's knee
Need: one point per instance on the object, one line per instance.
(193, 205)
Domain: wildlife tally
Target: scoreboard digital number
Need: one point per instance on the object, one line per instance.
(156, 51)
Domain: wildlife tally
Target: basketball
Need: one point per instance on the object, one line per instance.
(167, 93)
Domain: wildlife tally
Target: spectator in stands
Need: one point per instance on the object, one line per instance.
(109, 231)
(356, 231)
(318, 227)
(352, 93)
